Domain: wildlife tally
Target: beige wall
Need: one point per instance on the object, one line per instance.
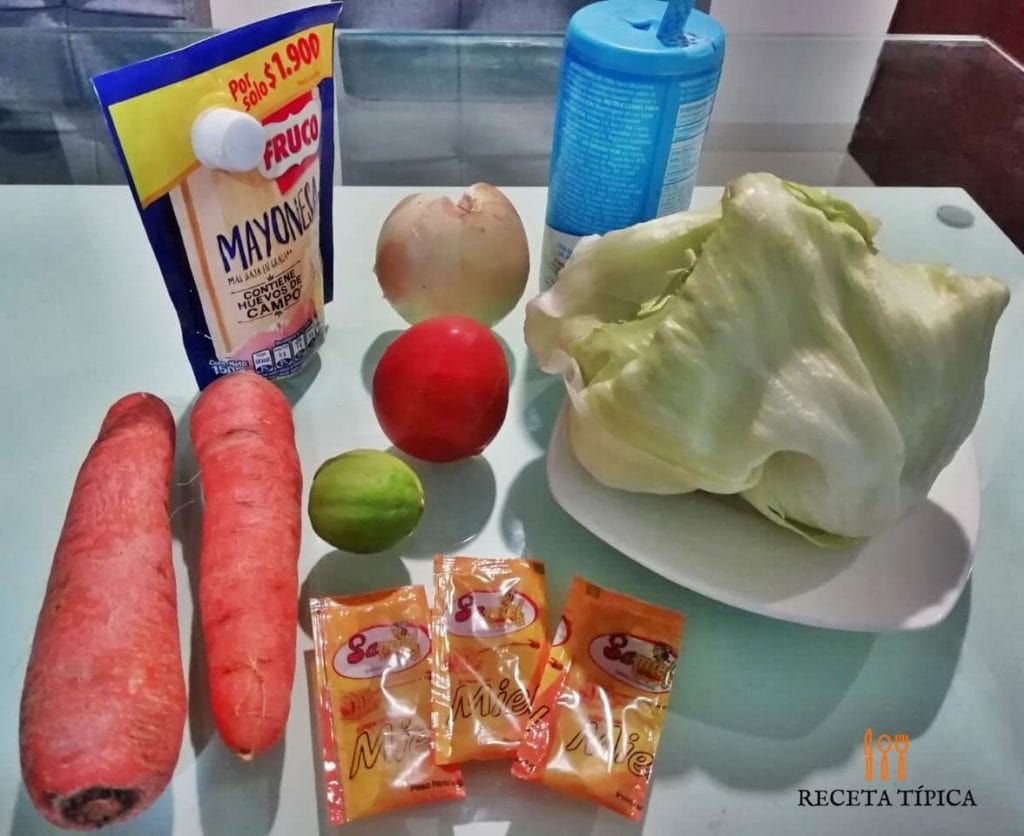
(227, 13)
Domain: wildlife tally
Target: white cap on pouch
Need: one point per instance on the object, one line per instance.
(228, 139)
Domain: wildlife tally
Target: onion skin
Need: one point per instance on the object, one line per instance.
(436, 257)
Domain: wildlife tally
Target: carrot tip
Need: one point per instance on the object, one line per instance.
(97, 806)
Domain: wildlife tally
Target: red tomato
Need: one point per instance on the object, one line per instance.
(440, 390)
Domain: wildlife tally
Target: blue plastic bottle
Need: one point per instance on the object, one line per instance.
(630, 121)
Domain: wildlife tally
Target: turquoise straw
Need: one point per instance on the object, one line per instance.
(673, 22)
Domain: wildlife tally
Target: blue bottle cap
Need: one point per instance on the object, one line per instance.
(622, 35)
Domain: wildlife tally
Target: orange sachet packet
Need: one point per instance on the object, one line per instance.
(489, 637)
(373, 672)
(598, 717)
(553, 665)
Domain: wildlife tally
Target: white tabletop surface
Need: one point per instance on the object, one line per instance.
(761, 708)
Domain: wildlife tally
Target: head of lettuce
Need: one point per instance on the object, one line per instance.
(766, 348)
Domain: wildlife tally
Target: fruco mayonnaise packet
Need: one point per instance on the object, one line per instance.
(596, 727)
(373, 674)
(489, 640)
(228, 146)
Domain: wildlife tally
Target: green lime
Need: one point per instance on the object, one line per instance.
(365, 501)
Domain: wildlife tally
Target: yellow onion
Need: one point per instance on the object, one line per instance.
(436, 257)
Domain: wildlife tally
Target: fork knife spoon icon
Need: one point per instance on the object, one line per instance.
(902, 742)
(884, 745)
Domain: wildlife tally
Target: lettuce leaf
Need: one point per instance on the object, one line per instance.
(767, 349)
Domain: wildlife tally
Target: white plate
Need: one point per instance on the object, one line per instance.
(907, 578)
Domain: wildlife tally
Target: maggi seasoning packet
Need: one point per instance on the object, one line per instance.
(489, 638)
(373, 673)
(597, 723)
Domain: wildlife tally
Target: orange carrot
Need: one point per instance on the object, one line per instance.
(103, 708)
(244, 441)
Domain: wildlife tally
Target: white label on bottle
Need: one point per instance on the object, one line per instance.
(555, 251)
(684, 155)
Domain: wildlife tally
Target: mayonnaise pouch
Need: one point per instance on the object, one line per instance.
(373, 675)
(228, 146)
(489, 639)
(599, 715)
